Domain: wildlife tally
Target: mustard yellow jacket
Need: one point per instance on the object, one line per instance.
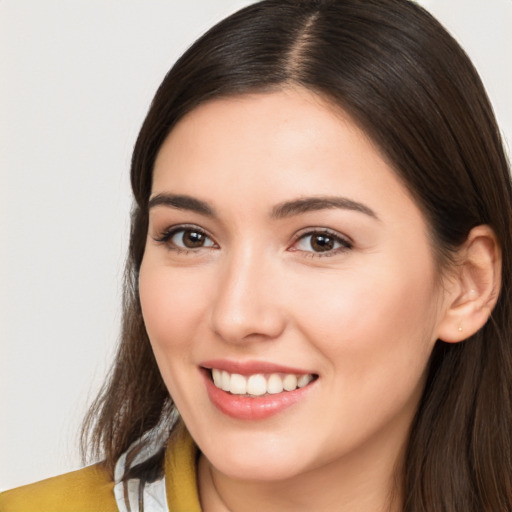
(91, 489)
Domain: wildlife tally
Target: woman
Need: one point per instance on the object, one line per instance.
(318, 276)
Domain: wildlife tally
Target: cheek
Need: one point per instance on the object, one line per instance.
(369, 323)
(171, 306)
(172, 309)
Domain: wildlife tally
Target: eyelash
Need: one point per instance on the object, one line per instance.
(344, 243)
(169, 233)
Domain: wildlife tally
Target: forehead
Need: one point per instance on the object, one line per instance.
(269, 146)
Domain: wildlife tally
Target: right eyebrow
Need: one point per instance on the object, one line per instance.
(315, 203)
(182, 202)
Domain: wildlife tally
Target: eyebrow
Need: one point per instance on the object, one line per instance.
(311, 204)
(182, 202)
(280, 211)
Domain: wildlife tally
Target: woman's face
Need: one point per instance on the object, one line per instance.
(283, 252)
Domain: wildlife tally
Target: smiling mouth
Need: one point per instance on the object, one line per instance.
(259, 384)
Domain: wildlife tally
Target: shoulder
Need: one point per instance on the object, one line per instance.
(87, 489)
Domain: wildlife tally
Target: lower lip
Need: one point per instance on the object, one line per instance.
(253, 408)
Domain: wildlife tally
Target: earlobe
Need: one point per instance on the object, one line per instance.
(474, 286)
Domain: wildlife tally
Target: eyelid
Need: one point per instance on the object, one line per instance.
(345, 241)
(167, 234)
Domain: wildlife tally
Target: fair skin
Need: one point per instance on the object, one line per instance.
(343, 288)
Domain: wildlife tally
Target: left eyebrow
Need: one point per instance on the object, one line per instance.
(310, 204)
(182, 202)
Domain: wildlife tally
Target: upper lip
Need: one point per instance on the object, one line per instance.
(251, 367)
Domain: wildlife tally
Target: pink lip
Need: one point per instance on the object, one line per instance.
(251, 367)
(252, 408)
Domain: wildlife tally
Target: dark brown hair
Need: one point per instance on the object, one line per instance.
(412, 89)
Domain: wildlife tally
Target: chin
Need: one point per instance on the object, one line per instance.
(271, 469)
(258, 459)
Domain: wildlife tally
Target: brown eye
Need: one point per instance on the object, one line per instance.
(322, 242)
(189, 238)
(193, 239)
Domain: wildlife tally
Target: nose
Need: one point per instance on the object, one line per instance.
(246, 306)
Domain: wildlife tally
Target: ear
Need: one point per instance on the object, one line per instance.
(473, 286)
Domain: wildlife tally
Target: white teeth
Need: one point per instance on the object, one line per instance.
(258, 384)
(225, 381)
(217, 377)
(238, 384)
(304, 380)
(290, 382)
(274, 384)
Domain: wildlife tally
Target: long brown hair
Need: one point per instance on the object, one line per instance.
(411, 88)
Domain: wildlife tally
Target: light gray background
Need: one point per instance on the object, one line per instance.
(76, 79)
